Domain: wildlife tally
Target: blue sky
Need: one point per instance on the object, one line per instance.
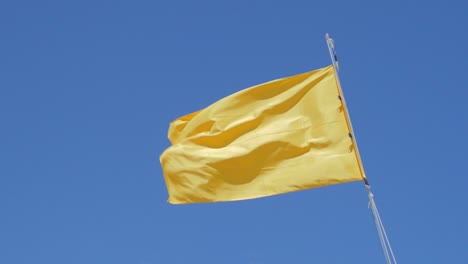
(88, 88)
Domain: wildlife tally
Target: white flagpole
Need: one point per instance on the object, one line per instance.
(385, 243)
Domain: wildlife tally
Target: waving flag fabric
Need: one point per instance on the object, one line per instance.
(282, 136)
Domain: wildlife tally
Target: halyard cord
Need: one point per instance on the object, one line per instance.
(385, 243)
(386, 247)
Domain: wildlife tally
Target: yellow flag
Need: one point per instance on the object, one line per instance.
(282, 136)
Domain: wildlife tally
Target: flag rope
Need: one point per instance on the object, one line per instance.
(336, 67)
(384, 241)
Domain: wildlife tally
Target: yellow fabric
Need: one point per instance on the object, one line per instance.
(282, 136)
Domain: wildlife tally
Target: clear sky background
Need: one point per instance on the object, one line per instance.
(88, 89)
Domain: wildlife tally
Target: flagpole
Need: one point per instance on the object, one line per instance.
(384, 241)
